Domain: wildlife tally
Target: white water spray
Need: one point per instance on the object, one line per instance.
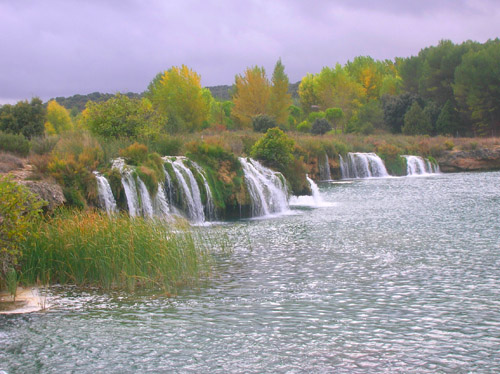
(362, 165)
(106, 198)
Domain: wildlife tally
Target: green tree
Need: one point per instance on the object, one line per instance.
(447, 122)
(320, 126)
(26, 118)
(57, 119)
(251, 96)
(416, 121)
(280, 100)
(334, 116)
(275, 148)
(122, 117)
(262, 123)
(477, 87)
(307, 94)
(178, 95)
(18, 208)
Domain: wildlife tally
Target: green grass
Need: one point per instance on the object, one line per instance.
(90, 249)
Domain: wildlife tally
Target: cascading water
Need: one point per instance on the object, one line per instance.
(210, 206)
(324, 169)
(267, 188)
(362, 165)
(315, 191)
(160, 204)
(146, 204)
(129, 186)
(416, 165)
(106, 198)
(190, 190)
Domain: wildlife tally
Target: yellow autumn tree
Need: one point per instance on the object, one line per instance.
(177, 93)
(307, 94)
(251, 96)
(57, 119)
(280, 99)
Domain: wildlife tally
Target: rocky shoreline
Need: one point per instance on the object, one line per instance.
(484, 159)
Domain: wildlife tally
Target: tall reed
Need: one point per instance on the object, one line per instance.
(91, 249)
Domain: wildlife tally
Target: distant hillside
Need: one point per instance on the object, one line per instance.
(79, 101)
(222, 92)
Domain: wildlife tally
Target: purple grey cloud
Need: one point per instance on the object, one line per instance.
(63, 47)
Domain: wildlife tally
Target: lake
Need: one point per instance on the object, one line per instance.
(388, 275)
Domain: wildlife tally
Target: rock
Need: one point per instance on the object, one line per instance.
(474, 160)
(48, 191)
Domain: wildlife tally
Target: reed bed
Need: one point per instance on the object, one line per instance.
(90, 249)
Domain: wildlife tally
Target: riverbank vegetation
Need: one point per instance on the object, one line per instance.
(443, 99)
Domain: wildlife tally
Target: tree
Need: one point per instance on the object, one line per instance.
(57, 119)
(123, 117)
(320, 126)
(447, 122)
(477, 87)
(334, 116)
(23, 118)
(177, 94)
(395, 108)
(251, 96)
(307, 93)
(18, 208)
(262, 123)
(416, 121)
(280, 100)
(275, 148)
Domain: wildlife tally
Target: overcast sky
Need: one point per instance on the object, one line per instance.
(63, 47)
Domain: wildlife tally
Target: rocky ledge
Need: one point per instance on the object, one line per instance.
(472, 160)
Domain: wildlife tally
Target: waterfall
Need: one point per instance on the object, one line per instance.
(362, 165)
(106, 198)
(416, 165)
(324, 170)
(129, 186)
(318, 200)
(267, 188)
(147, 205)
(160, 204)
(190, 190)
(139, 200)
(210, 206)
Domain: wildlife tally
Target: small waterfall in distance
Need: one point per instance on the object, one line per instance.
(315, 191)
(416, 165)
(267, 188)
(324, 169)
(129, 186)
(362, 165)
(106, 198)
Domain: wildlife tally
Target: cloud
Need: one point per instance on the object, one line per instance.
(60, 48)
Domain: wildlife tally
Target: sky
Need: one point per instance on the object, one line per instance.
(64, 47)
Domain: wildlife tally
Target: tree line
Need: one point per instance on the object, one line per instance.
(448, 89)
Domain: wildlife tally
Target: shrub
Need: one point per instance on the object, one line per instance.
(449, 145)
(166, 145)
(14, 143)
(320, 126)
(395, 164)
(42, 145)
(135, 154)
(275, 149)
(18, 209)
(9, 162)
(262, 123)
(304, 127)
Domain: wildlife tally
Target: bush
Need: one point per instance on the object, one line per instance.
(42, 145)
(14, 143)
(135, 154)
(320, 126)
(304, 127)
(166, 145)
(18, 209)
(275, 149)
(262, 123)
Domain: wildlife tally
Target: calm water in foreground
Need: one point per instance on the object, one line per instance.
(397, 275)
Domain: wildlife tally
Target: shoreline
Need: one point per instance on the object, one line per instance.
(28, 300)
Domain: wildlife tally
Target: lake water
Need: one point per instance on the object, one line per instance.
(395, 275)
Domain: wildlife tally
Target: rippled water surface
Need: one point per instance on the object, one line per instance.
(397, 275)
